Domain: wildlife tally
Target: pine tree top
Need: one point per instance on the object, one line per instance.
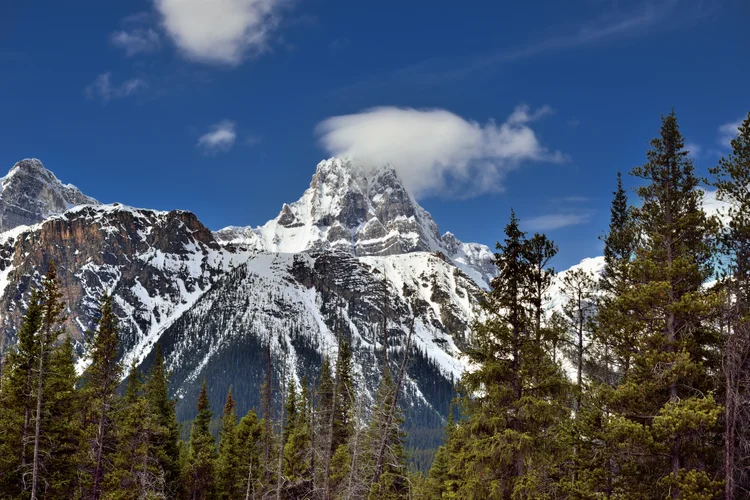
(230, 404)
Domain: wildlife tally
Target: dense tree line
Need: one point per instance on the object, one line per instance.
(97, 436)
(637, 386)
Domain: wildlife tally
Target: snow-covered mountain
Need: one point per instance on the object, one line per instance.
(30, 193)
(356, 250)
(156, 264)
(303, 303)
(363, 212)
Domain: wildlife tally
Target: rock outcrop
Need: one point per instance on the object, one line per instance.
(31, 193)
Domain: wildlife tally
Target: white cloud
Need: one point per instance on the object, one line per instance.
(435, 151)
(694, 150)
(728, 131)
(713, 206)
(220, 138)
(555, 221)
(136, 41)
(219, 31)
(103, 88)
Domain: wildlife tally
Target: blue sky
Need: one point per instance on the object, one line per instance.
(225, 107)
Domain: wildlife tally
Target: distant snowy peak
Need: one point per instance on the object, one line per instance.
(30, 193)
(361, 211)
(349, 208)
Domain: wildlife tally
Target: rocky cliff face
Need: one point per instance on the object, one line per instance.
(156, 264)
(31, 193)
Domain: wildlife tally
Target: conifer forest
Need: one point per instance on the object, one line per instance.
(637, 386)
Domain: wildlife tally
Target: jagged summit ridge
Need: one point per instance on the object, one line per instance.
(30, 193)
(361, 211)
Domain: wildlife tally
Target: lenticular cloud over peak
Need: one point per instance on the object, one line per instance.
(437, 152)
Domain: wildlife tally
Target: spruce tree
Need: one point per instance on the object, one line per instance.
(250, 432)
(297, 448)
(64, 428)
(539, 252)
(17, 401)
(167, 437)
(616, 336)
(323, 412)
(229, 473)
(51, 328)
(343, 411)
(136, 472)
(513, 439)
(667, 413)
(619, 242)
(102, 379)
(202, 456)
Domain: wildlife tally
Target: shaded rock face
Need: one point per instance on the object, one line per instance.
(31, 193)
(154, 263)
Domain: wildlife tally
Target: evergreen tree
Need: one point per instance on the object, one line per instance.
(290, 413)
(229, 473)
(732, 180)
(250, 433)
(136, 471)
(51, 328)
(667, 414)
(297, 447)
(343, 412)
(323, 412)
(439, 478)
(616, 336)
(539, 251)
(17, 401)
(63, 416)
(268, 438)
(102, 379)
(202, 456)
(167, 430)
(512, 443)
(620, 242)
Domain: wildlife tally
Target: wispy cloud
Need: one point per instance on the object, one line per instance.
(575, 199)
(694, 149)
(435, 151)
(104, 89)
(219, 138)
(729, 131)
(220, 31)
(549, 222)
(609, 26)
(136, 41)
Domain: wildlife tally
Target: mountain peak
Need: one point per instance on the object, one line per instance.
(29, 193)
(361, 210)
